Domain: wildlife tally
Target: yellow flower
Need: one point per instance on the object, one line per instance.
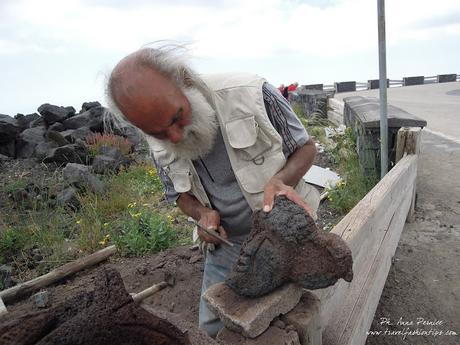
(131, 205)
(136, 215)
(79, 221)
(105, 224)
(105, 240)
(152, 172)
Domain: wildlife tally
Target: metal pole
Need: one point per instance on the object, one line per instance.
(383, 90)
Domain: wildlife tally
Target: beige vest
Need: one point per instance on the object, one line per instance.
(253, 145)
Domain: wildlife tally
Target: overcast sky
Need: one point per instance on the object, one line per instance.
(59, 51)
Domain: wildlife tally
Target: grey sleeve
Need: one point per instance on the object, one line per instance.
(285, 121)
(168, 187)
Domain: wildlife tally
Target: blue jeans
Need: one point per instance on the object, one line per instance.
(217, 266)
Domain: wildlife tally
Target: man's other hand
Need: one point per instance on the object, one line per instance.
(276, 187)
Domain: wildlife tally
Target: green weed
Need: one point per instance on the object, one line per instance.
(142, 231)
(354, 185)
(12, 240)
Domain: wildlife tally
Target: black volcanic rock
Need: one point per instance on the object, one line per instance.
(88, 105)
(9, 128)
(286, 246)
(28, 140)
(53, 113)
(25, 120)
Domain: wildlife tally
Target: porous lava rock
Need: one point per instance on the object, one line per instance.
(105, 316)
(286, 246)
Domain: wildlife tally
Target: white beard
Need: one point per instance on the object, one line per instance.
(199, 136)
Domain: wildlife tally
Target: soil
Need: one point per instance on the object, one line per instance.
(181, 267)
(105, 315)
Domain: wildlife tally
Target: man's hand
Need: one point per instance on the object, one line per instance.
(210, 220)
(276, 187)
(206, 217)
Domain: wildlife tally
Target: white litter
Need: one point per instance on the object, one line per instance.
(321, 177)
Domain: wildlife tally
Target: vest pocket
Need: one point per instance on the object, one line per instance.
(249, 142)
(180, 180)
(253, 177)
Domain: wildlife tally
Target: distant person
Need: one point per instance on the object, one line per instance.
(285, 93)
(293, 86)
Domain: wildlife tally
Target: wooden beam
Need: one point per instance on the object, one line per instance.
(2, 307)
(364, 228)
(357, 314)
(139, 297)
(57, 274)
(335, 117)
(408, 141)
(336, 105)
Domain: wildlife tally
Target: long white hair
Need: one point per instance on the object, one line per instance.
(170, 60)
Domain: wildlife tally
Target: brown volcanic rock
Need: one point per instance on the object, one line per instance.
(286, 246)
(106, 315)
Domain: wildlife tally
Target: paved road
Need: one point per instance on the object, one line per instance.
(438, 104)
(424, 280)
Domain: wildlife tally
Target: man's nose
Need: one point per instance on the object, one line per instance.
(175, 134)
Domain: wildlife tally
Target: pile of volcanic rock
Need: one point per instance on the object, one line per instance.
(105, 316)
(58, 135)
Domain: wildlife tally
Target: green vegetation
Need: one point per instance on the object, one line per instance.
(341, 147)
(354, 185)
(132, 214)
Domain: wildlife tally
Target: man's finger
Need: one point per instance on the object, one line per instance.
(223, 233)
(268, 201)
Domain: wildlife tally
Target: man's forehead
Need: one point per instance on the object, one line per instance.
(146, 97)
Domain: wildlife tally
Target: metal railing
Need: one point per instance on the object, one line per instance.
(360, 86)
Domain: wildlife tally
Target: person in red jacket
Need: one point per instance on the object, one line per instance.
(293, 86)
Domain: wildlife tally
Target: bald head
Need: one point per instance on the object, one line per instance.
(149, 98)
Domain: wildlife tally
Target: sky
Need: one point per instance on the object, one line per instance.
(61, 51)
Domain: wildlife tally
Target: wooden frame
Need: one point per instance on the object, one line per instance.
(372, 230)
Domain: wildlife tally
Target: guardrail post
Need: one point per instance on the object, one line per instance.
(408, 142)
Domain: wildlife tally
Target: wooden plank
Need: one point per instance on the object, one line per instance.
(408, 141)
(363, 229)
(2, 308)
(358, 313)
(55, 275)
(336, 104)
(346, 294)
(335, 117)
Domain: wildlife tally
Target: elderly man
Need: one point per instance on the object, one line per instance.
(224, 145)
